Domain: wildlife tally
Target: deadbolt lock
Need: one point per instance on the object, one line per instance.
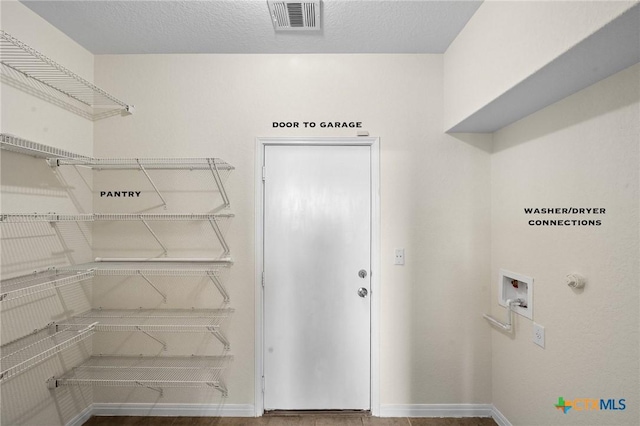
(362, 273)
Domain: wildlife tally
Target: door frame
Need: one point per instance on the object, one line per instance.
(261, 144)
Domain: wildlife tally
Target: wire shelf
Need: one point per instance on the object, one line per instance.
(38, 282)
(219, 168)
(148, 321)
(152, 320)
(54, 217)
(44, 217)
(161, 216)
(168, 269)
(215, 220)
(148, 163)
(34, 149)
(28, 351)
(31, 63)
(151, 372)
(214, 270)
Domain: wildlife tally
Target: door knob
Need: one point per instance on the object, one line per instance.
(362, 292)
(362, 273)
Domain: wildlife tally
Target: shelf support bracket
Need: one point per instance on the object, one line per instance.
(222, 388)
(52, 383)
(218, 180)
(164, 248)
(216, 229)
(219, 336)
(162, 342)
(164, 296)
(219, 286)
(66, 251)
(164, 203)
(159, 390)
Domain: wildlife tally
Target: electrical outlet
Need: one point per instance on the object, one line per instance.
(399, 258)
(538, 335)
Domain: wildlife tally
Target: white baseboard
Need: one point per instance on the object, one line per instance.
(82, 417)
(436, 410)
(190, 410)
(499, 417)
(248, 410)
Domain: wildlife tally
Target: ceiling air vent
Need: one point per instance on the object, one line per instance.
(295, 15)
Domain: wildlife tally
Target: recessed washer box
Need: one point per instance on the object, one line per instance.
(513, 286)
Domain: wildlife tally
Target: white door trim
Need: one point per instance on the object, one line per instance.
(374, 143)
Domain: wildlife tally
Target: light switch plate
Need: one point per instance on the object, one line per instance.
(538, 335)
(399, 256)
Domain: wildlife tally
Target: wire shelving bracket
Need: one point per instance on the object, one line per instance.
(215, 279)
(144, 277)
(24, 59)
(154, 373)
(219, 182)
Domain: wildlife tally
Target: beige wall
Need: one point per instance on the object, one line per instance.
(580, 152)
(505, 42)
(434, 192)
(40, 116)
(29, 185)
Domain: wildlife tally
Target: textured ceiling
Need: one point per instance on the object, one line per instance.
(244, 26)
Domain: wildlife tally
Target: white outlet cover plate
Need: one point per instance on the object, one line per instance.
(538, 335)
(399, 256)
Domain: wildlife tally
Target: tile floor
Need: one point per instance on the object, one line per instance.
(308, 420)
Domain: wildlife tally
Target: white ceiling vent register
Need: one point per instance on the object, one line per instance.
(295, 15)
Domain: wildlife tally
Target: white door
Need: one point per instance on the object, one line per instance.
(317, 262)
